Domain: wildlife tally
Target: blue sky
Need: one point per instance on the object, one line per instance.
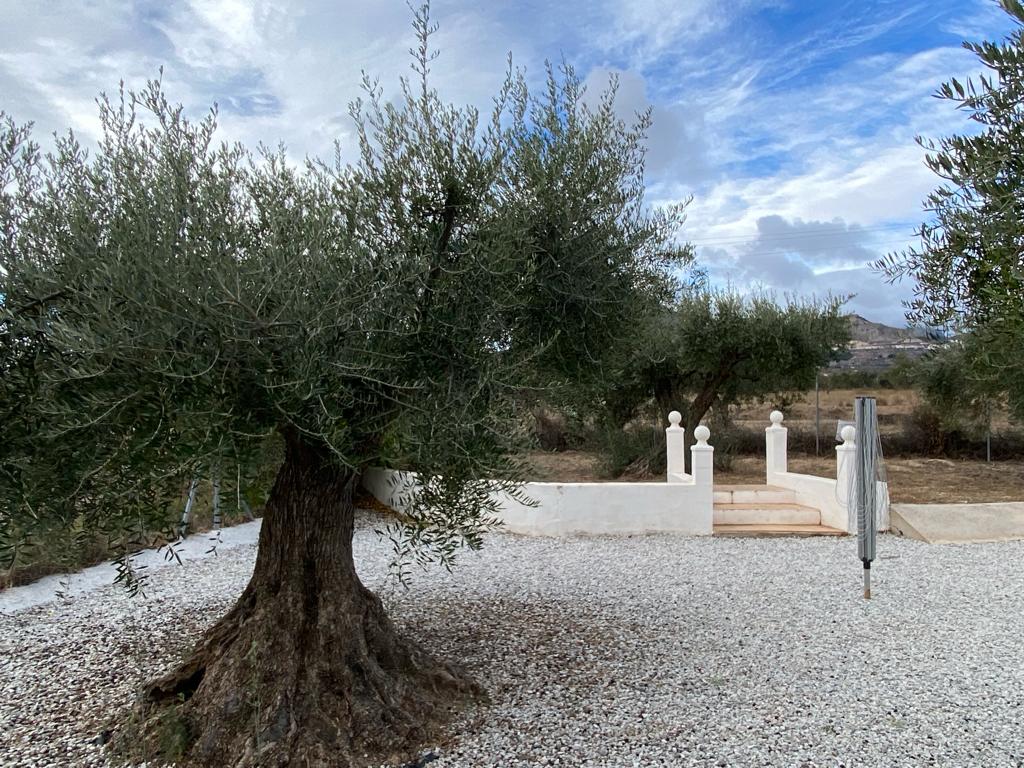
(791, 124)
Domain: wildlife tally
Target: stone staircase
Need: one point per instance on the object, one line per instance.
(765, 510)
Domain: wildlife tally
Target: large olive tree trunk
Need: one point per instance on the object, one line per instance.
(306, 669)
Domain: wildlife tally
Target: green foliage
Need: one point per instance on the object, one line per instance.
(899, 376)
(637, 449)
(174, 735)
(169, 302)
(714, 349)
(953, 393)
(969, 267)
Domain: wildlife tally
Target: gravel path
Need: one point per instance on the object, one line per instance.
(642, 651)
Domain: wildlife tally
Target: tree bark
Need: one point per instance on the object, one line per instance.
(306, 669)
(704, 399)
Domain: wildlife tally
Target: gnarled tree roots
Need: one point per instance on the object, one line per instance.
(278, 682)
(306, 669)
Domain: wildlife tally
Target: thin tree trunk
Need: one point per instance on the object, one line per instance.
(186, 515)
(694, 413)
(306, 669)
(215, 485)
(704, 399)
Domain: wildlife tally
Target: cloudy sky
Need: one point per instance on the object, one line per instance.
(790, 122)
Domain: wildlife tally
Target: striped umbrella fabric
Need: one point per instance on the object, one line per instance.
(866, 485)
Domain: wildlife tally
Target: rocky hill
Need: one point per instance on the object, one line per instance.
(876, 346)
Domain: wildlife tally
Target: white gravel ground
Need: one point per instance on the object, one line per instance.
(49, 589)
(641, 651)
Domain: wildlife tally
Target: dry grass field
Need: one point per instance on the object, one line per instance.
(912, 479)
(893, 406)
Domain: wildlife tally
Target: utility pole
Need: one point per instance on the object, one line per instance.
(817, 417)
(988, 432)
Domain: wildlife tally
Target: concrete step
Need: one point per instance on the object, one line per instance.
(776, 530)
(752, 494)
(766, 514)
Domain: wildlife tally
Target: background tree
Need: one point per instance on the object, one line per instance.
(945, 378)
(957, 404)
(969, 267)
(169, 302)
(713, 348)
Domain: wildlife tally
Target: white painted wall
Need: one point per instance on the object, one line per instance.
(567, 509)
(388, 485)
(684, 504)
(818, 492)
(829, 495)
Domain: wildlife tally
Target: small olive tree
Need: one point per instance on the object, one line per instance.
(713, 348)
(953, 391)
(169, 301)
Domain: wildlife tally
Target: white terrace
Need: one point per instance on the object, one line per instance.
(787, 504)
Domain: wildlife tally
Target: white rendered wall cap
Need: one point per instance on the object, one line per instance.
(674, 417)
(776, 417)
(702, 434)
(849, 434)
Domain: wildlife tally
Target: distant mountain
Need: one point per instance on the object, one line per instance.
(876, 346)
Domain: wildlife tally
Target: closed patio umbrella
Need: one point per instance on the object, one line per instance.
(866, 483)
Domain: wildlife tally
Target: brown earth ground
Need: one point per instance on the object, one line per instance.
(893, 406)
(911, 480)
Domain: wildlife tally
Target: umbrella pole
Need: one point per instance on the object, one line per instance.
(866, 498)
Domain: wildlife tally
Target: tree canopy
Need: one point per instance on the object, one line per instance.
(947, 380)
(714, 348)
(968, 267)
(169, 301)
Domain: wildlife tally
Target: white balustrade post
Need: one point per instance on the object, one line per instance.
(775, 446)
(846, 470)
(702, 458)
(675, 438)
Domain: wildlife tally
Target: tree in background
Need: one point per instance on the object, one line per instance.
(168, 302)
(969, 267)
(713, 348)
(956, 400)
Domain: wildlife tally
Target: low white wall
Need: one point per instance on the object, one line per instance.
(388, 485)
(817, 492)
(825, 494)
(566, 509)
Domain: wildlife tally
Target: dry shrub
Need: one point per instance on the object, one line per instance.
(550, 430)
(556, 431)
(638, 450)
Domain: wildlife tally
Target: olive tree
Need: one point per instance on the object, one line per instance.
(169, 301)
(712, 348)
(949, 383)
(968, 269)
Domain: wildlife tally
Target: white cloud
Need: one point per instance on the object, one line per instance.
(814, 130)
(977, 20)
(279, 71)
(677, 139)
